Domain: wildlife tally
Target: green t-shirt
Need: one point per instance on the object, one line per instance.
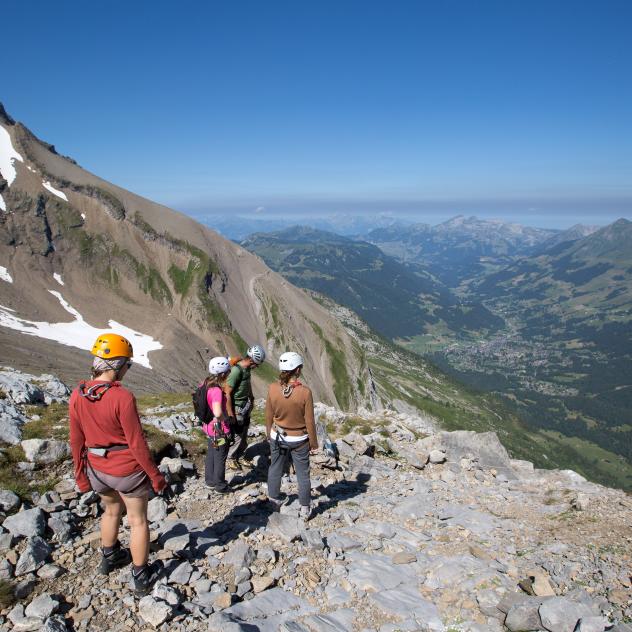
(239, 381)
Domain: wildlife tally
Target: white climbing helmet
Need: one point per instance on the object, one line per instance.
(256, 353)
(289, 361)
(218, 365)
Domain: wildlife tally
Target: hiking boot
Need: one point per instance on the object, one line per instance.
(235, 465)
(222, 490)
(146, 578)
(115, 559)
(277, 503)
(305, 513)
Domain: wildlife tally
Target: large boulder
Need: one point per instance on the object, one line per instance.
(19, 387)
(23, 388)
(45, 451)
(34, 556)
(28, 523)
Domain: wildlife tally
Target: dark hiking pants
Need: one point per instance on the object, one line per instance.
(215, 465)
(240, 439)
(280, 453)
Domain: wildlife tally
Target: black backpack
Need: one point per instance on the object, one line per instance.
(200, 404)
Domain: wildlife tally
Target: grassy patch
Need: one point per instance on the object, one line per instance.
(11, 478)
(182, 279)
(52, 422)
(143, 402)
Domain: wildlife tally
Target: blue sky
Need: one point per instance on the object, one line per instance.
(512, 109)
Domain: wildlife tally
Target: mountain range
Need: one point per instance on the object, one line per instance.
(465, 247)
(397, 299)
(554, 334)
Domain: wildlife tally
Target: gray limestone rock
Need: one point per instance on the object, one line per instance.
(62, 530)
(6, 569)
(11, 422)
(339, 621)
(266, 612)
(341, 541)
(181, 574)
(29, 522)
(406, 600)
(286, 527)
(45, 451)
(437, 456)
(9, 501)
(377, 573)
(592, 624)
(313, 539)
(42, 607)
(560, 614)
(154, 611)
(157, 509)
(239, 554)
(167, 593)
(22, 623)
(54, 624)
(524, 615)
(34, 556)
(50, 571)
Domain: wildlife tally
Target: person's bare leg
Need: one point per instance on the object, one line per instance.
(111, 518)
(139, 528)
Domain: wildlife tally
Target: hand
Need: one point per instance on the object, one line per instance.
(159, 483)
(313, 451)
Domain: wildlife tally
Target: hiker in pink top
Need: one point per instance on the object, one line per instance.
(218, 428)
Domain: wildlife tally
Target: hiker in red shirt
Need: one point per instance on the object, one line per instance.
(111, 457)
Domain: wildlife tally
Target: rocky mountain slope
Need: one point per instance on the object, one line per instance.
(396, 299)
(79, 255)
(412, 529)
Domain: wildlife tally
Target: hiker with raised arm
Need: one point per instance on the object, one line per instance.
(111, 456)
(291, 431)
(239, 402)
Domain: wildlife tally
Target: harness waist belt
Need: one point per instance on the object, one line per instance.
(103, 450)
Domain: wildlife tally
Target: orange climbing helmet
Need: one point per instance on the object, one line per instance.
(110, 345)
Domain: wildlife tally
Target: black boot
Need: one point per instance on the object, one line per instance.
(145, 578)
(115, 558)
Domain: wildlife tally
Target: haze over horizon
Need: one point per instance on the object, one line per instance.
(505, 110)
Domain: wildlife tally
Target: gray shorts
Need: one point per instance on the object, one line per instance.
(134, 485)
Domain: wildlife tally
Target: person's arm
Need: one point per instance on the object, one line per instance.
(135, 437)
(229, 400)
(230, 385)
(269, 414)
(77, 446)
(309, 421)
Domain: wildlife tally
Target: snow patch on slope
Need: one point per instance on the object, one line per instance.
(58, 278)
(78, 333)
(7, 156)
(4, 275)
(3, 206)
(54, 191)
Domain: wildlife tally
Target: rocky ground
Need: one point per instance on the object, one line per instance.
(412, 529)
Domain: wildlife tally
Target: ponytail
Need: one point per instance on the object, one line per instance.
(286, 376)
